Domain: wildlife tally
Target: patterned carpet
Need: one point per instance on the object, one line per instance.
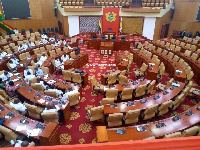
(77, 131)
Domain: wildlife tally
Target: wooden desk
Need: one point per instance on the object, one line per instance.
(79, 61)
(121, 45)
(106, 48)
(104, 76)
(109, 135)
(121, 61)
(48, 136)
(94, 44)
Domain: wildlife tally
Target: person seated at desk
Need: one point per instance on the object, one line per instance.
(45, 41)
(20, 143)
(38, 71)
(20, 48)
(28, 77)
(64, 57)
(15, 59)
(27, 70)
(2, 119)
(68, 92)
(56, 44)
(18, 106)
(58, 63)
(41, 43)
(3, 54)
(58, 92)
(31, 44)
(39, 81)
(51, 39)
(6, 76)
(25, 46)
(68, 46)
(12, 65)
(16, 31)
(42, 59)
(64, 42)
(2, 84)
(11, 89)
(44, 36)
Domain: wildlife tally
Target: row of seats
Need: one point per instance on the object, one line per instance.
(162, 5)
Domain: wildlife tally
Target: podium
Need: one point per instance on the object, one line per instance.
(106, 48)
(109, 35)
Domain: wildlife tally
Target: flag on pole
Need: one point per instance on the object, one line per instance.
(1, 16)
(120, 26)
(100, 26)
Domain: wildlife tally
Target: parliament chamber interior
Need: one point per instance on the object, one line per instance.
(108, 74)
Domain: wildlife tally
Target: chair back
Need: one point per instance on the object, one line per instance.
(9, 134)
(144, 67)
(51, 93)
(112, 79)
(164, 107)
(112, 93)
(38, 87)
(132, 116)
(96, 113)
(140, 90)
(50, 117)
(127, 93)
(67, 75)
(115, 119)
(173, 135)
(107, 101)
(45, 70)
(122, 79)
(74, 99)
(33, 111)
(150, 86)
(191, 131)
(150, 111)
(76, 77)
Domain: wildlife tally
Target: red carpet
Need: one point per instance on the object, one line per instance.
(76, 130)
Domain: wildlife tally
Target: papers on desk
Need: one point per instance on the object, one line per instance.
(14, 80)
(176, 84)
(20, 128)
(41, 101)
(151, 64)
(34, 132)
(21, 65)
(125, 59)
(139, 129)
(178, 71)
(51, 81)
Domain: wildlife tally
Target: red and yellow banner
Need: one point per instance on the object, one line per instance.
(111, 19)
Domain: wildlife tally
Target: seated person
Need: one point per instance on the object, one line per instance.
(42, 59)
(20, 48)
(38, 71)
(48, 108)
(64, 42)
(16, 31)
(41, 43)
(42, 83)
(56, 44)
(11, 89)
(45, 41)
(44, 36)
(77, 51)
(27, 70)
(25, 46)
(20, 143)
(58, 92)
(51, 39)
(15, 59)
(64, 57)
(6, 76)
(28, 77)
(68, 92)
(2, 84)
(58, 63)
(18, 106)
(2, 119)
(2, 54)
(12, 65)
(31, 44)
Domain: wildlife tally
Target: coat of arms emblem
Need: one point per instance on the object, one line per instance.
(111, 16)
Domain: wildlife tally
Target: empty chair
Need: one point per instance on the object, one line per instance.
(164, 108)
(95, 114)
(50, 117)
(67, 75)
(159, 50)
(51, 93)
(170, 54)
(52, 29)
(195, 91)
(34, 111)
(107, 101)
(140, 90)
(45, 70)
(176, 58)
(38, 87)
(112, 93)
(177, 49)
(96, 86)
(162, 87)
(173, 135)
(194, 56)
(8, 133)
(190, 76)
(122, 79)
(127, 94)
(181, 61)
(165, 52)
(141, 71)
(188, 53)
(115, 119)
(132, 116)
(52, 52)
(123, 73)
(161, 72)
(74, 99)
(177, 101)
(188, 46)
(72, 54)
(150, 87)
(149, 112)
(182, 44)
(112, 78)
(191, 131)
(76, 77)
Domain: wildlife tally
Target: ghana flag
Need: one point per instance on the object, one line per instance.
(1, 16)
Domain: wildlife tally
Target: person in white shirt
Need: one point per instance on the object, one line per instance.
(42, 59)
(51, 39)
(16, 31)
(38, 71)
(12, 65)
(31, 44)
(28, 77)
(27, 70)
(15, 60)
(18, 106)
(20, 48)
(41, 43)
(68, 92)
(64, 42)
(44, 36)
(25, 46)
(58, 92)
(57, 44)
(20, 143)
(3, 54)
(44, 41)
(64, 57)
(58, 63)
(6, 76)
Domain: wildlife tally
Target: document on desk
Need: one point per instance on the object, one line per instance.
(41, 101)
(20, 128)
(178, 71)
(176, 84)
(34, 132)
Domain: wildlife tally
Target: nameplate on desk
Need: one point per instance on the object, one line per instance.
(156, 97)
(53, 103)
(40, 126)
(63, 82)
(124, 85)
(113, 106)
(48, 98)
(175, 118)
(140, 129)
(178, 71)
(142, 79)
(175, 84)
(29, 89)
(41, 101)
(55, 79)
(130, 103)
(120, 131)
(189, 113)
(159, 125)
(165, 92)
(143, 101)
(62, 102)
(23, 84)
(24, 121)
(172, 87)
(1, 108)
(107, 73)
(21, 128)
(10, 115)
(37, 94)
